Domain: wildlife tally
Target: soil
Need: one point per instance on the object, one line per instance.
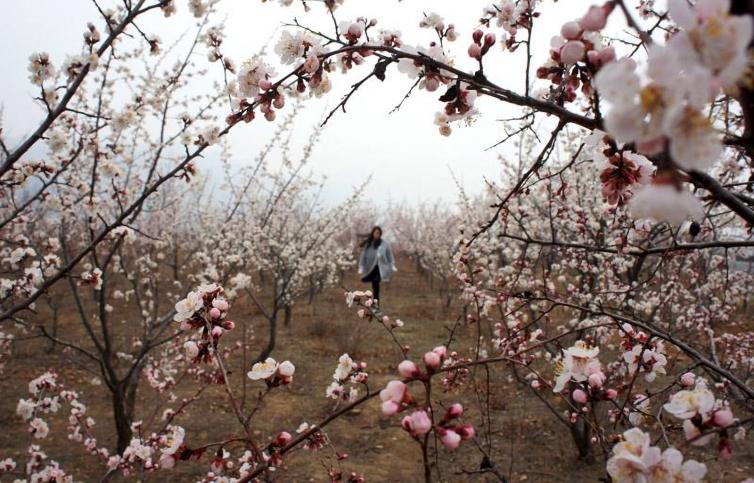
(527, 443)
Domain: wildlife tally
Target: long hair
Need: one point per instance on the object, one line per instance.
(368, 239)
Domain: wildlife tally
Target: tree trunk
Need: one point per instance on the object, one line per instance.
(288, 314)
(123, 417)
(271, 342)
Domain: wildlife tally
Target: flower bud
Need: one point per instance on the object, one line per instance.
(580, 396)
(217, 332)
(390, 408)
(490, 39)
(611, 393)
(450, 439)
(191, 348)
(723, 418)
(571, 30)
(597, 379)
(595, 19)
(265, 84)
(286, 369)
(215, 313)
(477, 36)
(688, 379)
(432, 360)
(408, 369)
(475, 51)
(220, 304)
(466, 431)
(453, 412)
(572, 52)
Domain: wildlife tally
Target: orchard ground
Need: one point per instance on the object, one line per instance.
(318, 334)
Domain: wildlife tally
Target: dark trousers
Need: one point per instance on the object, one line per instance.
(374, 277)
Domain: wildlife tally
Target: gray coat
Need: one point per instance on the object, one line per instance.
(382, 256)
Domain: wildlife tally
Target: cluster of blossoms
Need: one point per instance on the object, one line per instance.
(635, 459)
(347, 371)
(577, 53)
(643, 354)
(206, 310)
(395, 397)
(272, 372)
(703, 415)
(707, 55)
(368, 308)
(510, 15)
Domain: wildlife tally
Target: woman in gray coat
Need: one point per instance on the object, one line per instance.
(376, 262)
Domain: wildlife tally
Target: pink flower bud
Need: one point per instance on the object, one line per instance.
(475, 51)
(228, 325)
(688, 379)
(356, 29)
(466, 431)
(441, 350)
(192, 350)
(390, 408)
(535, 384)
(597, 379)
(215, 313)
(220, 304)
(723, 418)
(593, 57)
(607, 55)
(490, 39)
(580, 396)
(571, 30)
(279, 102)
(450, 439)
(286, 369)
(270, 115)
(477, 36)
(419, 423)
(432, 360)
(265, 84)
(394, 391)
(283, 438)
(431, 84)
(611, 393)
(595, 19)
(408, 369)
(453, 412)
(572, 52)
(217, 332)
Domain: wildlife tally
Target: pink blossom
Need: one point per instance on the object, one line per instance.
(418, 423)
(571, 30)
(475, 51)
(408, 369)
(389, 408)
(572, 52)
(453, 412)
(432, 360)
(595, 19)
(723, 418)
(450, 439)
(394, 391)
(688, 379)
(466, 431)
(580, 396)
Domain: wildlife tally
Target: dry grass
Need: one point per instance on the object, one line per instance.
(527, 442)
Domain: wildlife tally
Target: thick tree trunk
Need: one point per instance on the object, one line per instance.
(123, 417)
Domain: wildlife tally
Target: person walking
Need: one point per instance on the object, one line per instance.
(376, 262)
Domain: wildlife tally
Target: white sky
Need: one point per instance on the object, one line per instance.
(407, 157)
